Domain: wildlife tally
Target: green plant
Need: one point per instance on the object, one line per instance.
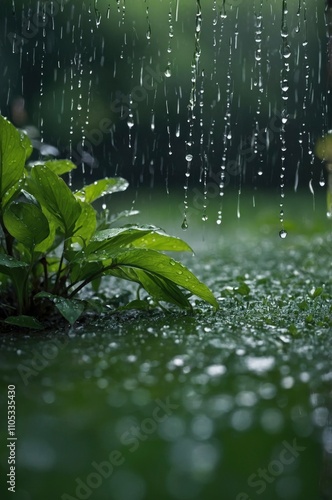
(53, 242)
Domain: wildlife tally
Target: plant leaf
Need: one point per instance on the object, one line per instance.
(60, 167)
(27, 223)
(163, 267)
(123, 214)
(83, 270)
(100, 188)
(70, 309)
(14, 150)
(9, 265)
(12, 192)
(24, 321)
(85, 225)
(114, 238)
(141, 305)
(161, 289)
(27, 145)
(47, 243)
(135, 236)
(53, 194)
(157, 240)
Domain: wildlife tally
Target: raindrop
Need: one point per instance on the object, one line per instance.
(168, 71)
(184, 224)
(282, 233)
(148, 30)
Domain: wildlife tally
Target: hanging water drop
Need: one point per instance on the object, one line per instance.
(168, 72)
(184, 224)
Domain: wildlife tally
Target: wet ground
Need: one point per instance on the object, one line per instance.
(229, 405)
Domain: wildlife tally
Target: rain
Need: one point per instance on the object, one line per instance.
(174, 93)
(218, 114)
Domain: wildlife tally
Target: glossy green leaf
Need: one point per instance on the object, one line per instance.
(12, 193)
(163, 267)
(70, 309)
(14, 149)
(159, 288)
(53, 194)
(24, 321)
(18, 273)
(123, 214)
(48, 242)
(86, 223)
(100, 188)
(135, 236)
(60, 167)
(27, 223)
(82, 270)
(115, 238)
(10, 264)
(95, 284)
(157, 240)
(27, 145)
(139, 305)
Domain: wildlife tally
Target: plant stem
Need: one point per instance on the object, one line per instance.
(59, 270)
(43, 262)
(8, 238)
(88, 280)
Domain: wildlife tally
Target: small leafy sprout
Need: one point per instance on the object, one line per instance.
(53, 243)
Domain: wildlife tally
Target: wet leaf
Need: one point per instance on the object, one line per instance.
(53, 194)
(243, 289)
(82, 270)
(161, 289)
(27, 223)
(136, 236)
(70, 309)
(140, 305)
(9, 264)
(162, 266)
(24, 321)
(86, 223)
(316, 292)
(101, 188)
(60, 167)
(14, 150)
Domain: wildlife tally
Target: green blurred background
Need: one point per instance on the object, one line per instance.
(78, 64)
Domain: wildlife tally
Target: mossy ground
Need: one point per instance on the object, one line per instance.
(242, 381)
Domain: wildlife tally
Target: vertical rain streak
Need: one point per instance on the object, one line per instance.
(207, 116)
(285, 55)
(227, 134)
(191, 108)
(168, 74)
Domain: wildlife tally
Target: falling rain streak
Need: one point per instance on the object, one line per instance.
(192, 108)
(285, 54)
(221, 96)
